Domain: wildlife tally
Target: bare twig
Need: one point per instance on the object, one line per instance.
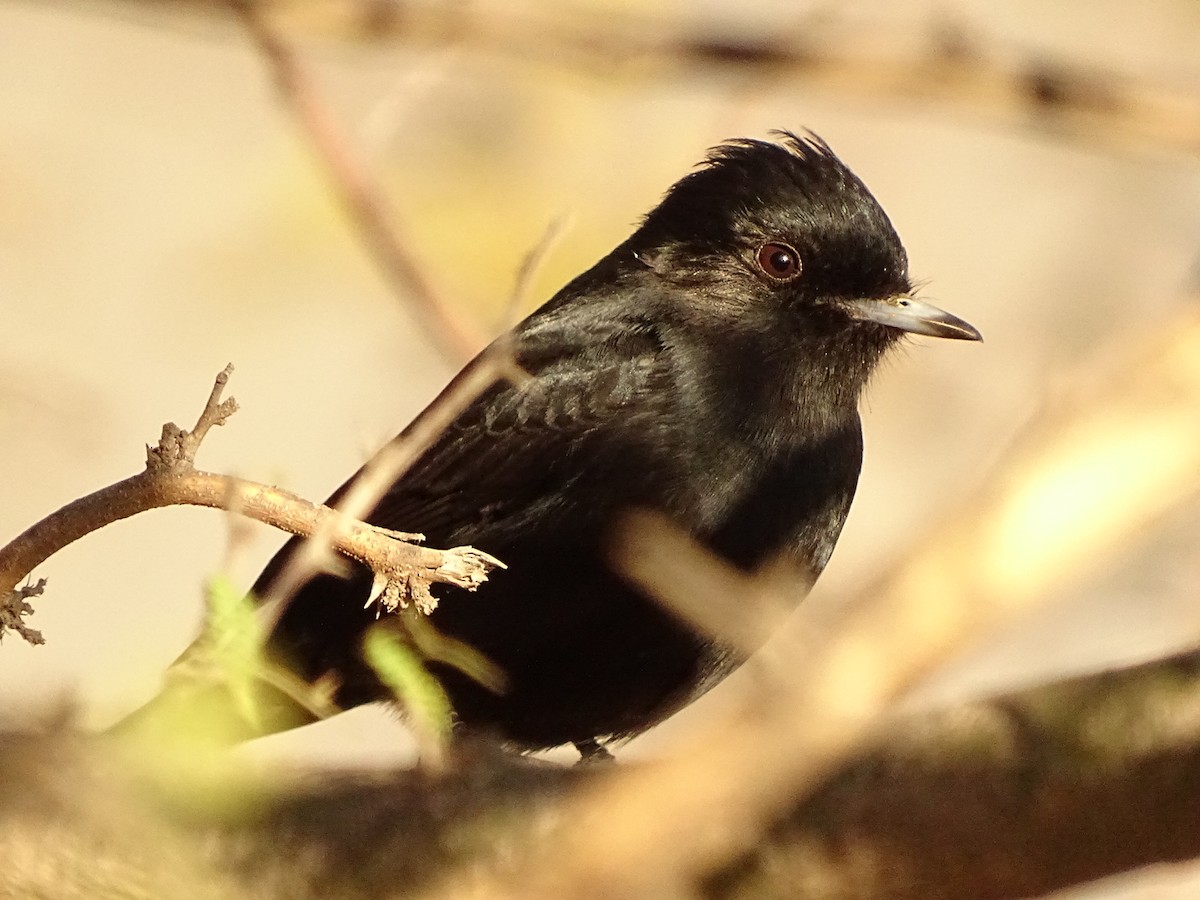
(170, 479)
(415, 567)
(358, 194)
(176, 449)
(14, 609)
(530, 264)
(388, 464)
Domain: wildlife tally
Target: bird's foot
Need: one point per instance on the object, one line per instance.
(592, 751)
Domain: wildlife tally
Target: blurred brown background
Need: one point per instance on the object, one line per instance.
(160, 215)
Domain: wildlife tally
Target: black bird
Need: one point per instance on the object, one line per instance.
(708, 368)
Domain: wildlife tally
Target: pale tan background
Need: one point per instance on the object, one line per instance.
(159, 217)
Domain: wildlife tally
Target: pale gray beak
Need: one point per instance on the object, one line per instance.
(907, 313)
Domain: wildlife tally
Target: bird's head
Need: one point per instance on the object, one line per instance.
(784, 233)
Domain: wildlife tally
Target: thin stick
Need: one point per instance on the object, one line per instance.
(386, 466)
(358, 194)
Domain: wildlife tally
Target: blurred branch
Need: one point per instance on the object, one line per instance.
(170, 479)
(354, 188)
(391, 461)
(1008, 797)
(942, 65)
(1003, 798)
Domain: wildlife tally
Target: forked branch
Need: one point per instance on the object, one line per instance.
(171, 479)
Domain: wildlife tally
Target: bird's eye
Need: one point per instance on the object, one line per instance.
(779, 262)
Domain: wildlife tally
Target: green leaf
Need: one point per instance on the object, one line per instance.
(400, 668)
(233, 643)
(442, 648)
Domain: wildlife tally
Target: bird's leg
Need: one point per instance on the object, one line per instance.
(592, 751)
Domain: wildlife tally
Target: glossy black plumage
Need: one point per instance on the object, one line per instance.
(697, 370)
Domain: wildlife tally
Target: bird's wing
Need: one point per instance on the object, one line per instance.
(509, 462)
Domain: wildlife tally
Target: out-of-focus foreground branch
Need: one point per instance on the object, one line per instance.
(1003, 798)
(352, 185)
(1014, 796)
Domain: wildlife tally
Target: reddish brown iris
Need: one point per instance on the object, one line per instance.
(779, 261)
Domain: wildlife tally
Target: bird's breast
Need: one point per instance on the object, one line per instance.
(758, 499)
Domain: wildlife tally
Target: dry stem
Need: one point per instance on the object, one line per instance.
(170, 479)
(358, 194)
